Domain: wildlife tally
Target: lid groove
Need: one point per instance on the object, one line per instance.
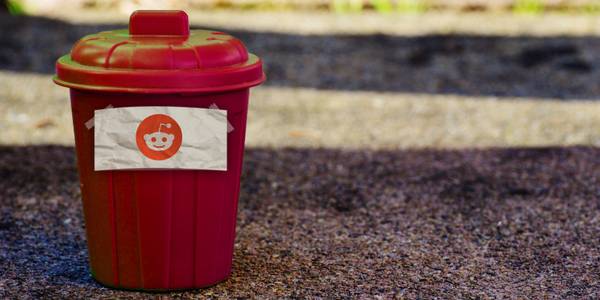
(111, 51)
(196, 55)
(159, 60)
(172, 64)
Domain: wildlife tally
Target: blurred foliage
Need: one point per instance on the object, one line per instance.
(337, 6)
(383, 6)
(15, 7)
(528, 6)
(412, 6)
(380, 6)
(344, 6)
(592, 8)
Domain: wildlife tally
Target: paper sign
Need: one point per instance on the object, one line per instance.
(160, 137)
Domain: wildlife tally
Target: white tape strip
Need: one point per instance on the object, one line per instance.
(89, 124)
(229, 126)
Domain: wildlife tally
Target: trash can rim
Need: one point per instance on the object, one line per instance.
(74, 75)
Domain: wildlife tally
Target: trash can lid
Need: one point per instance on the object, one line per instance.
(159, 54)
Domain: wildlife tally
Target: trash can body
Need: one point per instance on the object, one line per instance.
(160, 229)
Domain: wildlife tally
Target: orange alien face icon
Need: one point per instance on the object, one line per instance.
(158, 137)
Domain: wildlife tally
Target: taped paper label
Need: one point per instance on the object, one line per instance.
(160, 137)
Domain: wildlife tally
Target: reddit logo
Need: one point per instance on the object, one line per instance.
(158, 137)
(159, 141)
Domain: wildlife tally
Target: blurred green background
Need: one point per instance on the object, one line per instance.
(339, 6)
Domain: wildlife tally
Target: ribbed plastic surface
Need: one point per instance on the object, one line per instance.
(159, 54)
(160, 229)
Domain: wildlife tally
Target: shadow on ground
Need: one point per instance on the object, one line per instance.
(550, 67)
(339, 223)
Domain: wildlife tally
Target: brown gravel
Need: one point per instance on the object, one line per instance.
(516, 223)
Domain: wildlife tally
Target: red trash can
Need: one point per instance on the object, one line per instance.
(168, 228)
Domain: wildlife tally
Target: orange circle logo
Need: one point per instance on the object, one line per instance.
(158, 137)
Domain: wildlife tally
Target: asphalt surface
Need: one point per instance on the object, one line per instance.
(516, 223)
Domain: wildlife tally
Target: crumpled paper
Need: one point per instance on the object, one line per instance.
(203, 142)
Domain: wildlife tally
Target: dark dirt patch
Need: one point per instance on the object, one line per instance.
(533, 56)
(521, 223)
(554, 67)
(576, 64)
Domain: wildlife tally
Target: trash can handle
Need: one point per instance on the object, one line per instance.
(159, 22)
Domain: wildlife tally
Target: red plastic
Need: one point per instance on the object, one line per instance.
(158, 229)
(152, 22)
(159, 55)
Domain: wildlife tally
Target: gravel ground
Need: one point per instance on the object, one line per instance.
(498, 223)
